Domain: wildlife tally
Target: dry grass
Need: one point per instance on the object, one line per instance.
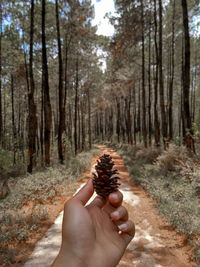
(22, 213)
(148, 155)
(173, 179)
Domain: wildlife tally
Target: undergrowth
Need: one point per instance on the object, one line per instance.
(172, 177)
(35, 192)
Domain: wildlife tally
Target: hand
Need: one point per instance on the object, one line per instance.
(94, 235)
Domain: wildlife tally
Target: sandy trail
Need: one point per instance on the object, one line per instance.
(155, 243)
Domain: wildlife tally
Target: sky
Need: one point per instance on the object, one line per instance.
(101, 8)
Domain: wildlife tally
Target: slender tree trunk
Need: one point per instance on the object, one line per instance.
(186, 80)
(171, 78)
(138, 116)
(32, 119)
(149, 81)
(161, 85)
(135, 117)
(1, 118)
(4, 118)
(118, 121)
(156, 120)
(79, 126)
(76, 109)
(13, 120)
(42, 126)
(45, 85)
(144, 127)
(82, 126)
(89, 118)
(60, 89)
(182, 107)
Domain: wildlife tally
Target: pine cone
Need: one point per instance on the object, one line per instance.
(106, 180)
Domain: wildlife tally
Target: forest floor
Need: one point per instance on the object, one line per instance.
(156, 243)
(33, 204)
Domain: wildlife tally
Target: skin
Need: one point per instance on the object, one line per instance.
(96, 234)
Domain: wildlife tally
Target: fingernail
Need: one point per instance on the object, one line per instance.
(115, 214)
(122, 227)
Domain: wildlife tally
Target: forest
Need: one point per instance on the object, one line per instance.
(64, 88)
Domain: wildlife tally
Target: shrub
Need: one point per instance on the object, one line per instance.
(170, 159)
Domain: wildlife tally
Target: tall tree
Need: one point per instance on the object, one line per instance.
(186, 79)
(76, 107)
(171, 82)
(60, 89)
(144, 127)
(161, 84)
(1, 118)
(45, 86)
(32, 119)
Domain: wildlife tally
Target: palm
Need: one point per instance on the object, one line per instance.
(89, 235)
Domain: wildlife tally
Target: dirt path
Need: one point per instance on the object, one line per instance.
(155, 243)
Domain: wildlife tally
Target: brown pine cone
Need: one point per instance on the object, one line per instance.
(106, 179)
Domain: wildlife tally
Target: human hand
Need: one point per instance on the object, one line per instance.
(96, 234)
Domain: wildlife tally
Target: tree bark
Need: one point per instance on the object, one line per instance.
(13, 120)
(149, 81)
(89, 118)
(118, 120)
(60, 90)
(144, 127)
(32, 119)
(45, 85)
(161, 85)
(186, 80)
(171, 78)
(156, 120)
(76, 109)
(1, 118)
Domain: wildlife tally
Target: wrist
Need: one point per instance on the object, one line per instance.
(68, 260)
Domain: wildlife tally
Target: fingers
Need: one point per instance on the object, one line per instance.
(98, 202)
(120, 213)
(85, 193)
(127, 231)
(115, 199)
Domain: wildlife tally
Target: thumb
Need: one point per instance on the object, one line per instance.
(85, 193)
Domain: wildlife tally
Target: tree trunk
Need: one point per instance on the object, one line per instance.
(89, 118)
(82, 126)
(144, 127)
(171, 78)
(76, 110)
(135, 117)
(118, 121)
(1, 118)
(149, 81)
(60, 90)
(45, 85)
(186, 80)
(161, 85)
(13, 120)
(32, 119)
(156, 121)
